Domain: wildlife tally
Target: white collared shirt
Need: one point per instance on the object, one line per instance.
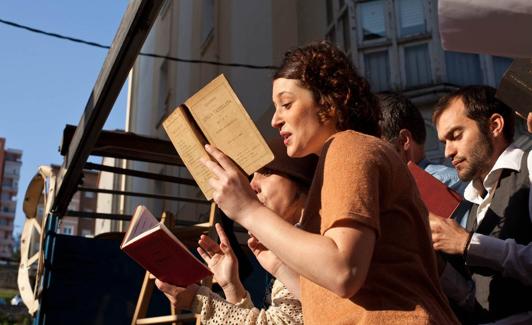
(509, 159)
(506, 256)
(512, 259)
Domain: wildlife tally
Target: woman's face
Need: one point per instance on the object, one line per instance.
(278, 193)
(296, 117)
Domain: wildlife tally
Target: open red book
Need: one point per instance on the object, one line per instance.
(152, 245)
(438, 198)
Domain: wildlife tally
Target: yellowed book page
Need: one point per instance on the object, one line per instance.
(141, 221)
(189, 147)
(226, 125)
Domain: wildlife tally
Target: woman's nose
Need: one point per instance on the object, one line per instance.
(276, 120)
(255, 183)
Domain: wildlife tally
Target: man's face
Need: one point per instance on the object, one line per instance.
(469, 149)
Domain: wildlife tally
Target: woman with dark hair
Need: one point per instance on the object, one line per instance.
(363, 253)
(281, 186)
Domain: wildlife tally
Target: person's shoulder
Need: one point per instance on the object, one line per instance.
(354, 147)
(356, 140)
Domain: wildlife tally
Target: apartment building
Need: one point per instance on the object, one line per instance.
(10, 164)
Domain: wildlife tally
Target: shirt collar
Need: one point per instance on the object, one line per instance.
(510, 158)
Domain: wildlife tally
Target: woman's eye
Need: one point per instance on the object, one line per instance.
(286, 106)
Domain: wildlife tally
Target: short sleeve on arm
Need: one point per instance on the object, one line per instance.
(351, 181)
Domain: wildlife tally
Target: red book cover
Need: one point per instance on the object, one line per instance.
(160, 252)
(438, 198)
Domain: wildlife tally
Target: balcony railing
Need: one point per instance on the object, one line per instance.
(9, 187)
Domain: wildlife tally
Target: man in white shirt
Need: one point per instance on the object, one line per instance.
(477, 130)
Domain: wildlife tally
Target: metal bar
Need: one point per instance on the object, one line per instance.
(49, 228)
(138, 173)
(134, 28)
(127, 145)
(98, 215)
(152, 196)
(126, 217)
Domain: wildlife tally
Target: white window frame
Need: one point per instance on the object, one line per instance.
(362, 61)
(68, 230)
(335, 25)
(402, 60)
(396, 44)
(427, 5)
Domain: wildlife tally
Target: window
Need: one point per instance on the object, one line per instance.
(417, 65)
(394, 33)
(372, 18)
(89, 195)
(377, 69)
(164, 94)
(338, 24)
(207, 23)
(410, 17)
(463, 68)
(68, 230)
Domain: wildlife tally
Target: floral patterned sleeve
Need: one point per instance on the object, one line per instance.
(285, 308)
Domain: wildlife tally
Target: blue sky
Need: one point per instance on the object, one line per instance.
(45, 82)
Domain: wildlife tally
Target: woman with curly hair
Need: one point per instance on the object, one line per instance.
(363, 253)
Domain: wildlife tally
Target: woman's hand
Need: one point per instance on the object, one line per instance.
(220, 258)
(232, 192)
(180, 298)
(223, 263)
(267, 259)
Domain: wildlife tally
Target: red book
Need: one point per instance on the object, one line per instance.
(152, 245)
(438, 198)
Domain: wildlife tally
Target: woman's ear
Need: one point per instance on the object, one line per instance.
(329, 115)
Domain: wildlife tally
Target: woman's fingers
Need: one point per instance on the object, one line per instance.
(214, 167)
(206, 257)
(209, 245)
(222, 235)
(222, 159)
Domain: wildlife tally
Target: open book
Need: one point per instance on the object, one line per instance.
(438, 198)
(215, 115)
(152, 245)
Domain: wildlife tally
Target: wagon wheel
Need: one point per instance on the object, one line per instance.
(37, 203)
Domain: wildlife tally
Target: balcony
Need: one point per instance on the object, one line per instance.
(9, 214)
(9, 188)
(7, 227)
(6, 241)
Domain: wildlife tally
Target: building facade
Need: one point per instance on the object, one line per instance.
(80, 202)
(394, 43)
(10, 164)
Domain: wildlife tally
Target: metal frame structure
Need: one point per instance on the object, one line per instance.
(88, 139)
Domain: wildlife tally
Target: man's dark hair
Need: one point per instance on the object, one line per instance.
(398, 112)
(480, 104)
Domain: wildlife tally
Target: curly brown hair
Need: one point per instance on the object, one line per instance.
(326, 71)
